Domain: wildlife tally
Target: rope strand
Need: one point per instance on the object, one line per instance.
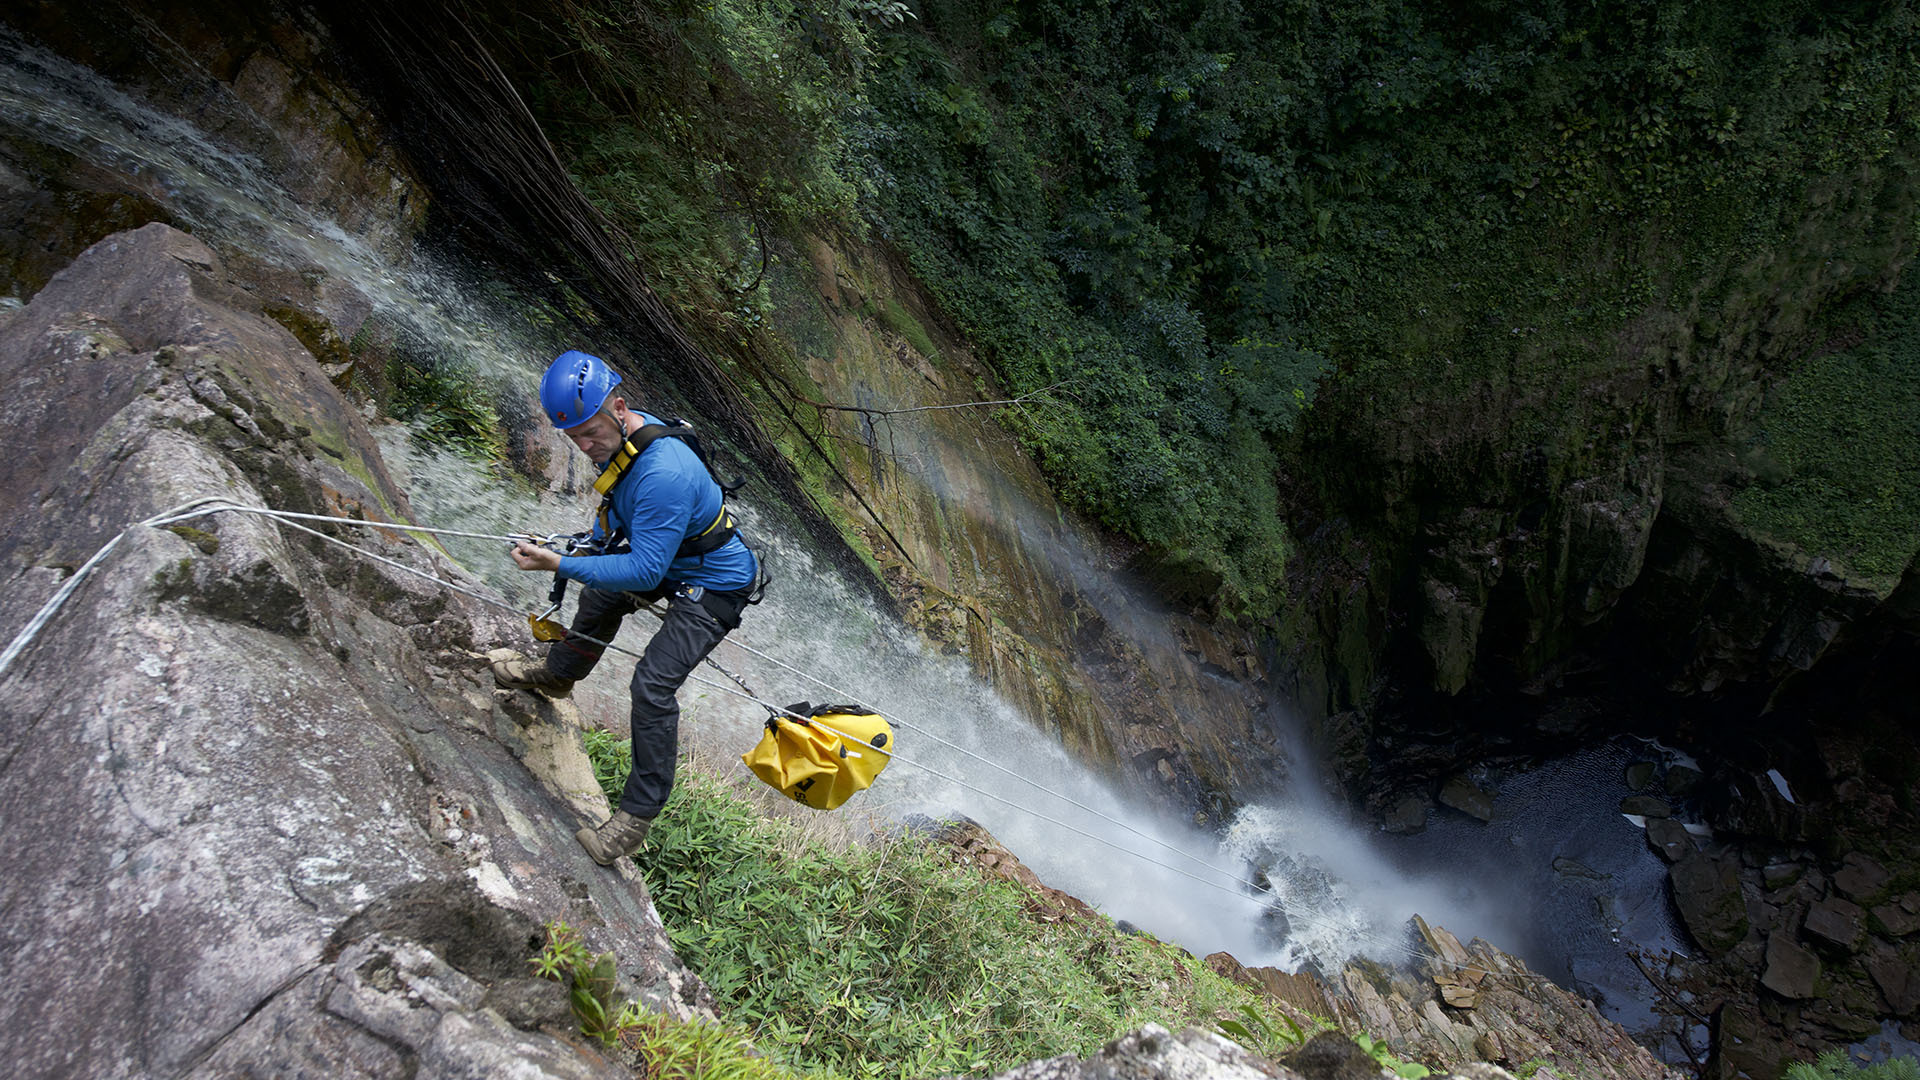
(214, 504)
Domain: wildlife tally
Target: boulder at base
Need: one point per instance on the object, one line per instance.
(1706, 889)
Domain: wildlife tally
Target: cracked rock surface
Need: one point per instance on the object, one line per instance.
(266, 813)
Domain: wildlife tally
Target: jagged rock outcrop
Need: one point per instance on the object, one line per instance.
(1476, 1002)
(1465, 1006)
(264, 809)
(1154, 1053)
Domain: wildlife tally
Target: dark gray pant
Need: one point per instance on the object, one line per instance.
(692, 627)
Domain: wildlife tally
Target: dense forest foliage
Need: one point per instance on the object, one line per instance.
(1215, 233)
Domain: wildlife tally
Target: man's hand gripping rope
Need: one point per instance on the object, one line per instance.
(532, 551)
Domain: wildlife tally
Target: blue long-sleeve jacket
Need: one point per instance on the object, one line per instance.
(664, 498)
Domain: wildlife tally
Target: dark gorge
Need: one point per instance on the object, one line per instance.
(1469, 387)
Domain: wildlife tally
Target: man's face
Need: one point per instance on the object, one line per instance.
(601, 434)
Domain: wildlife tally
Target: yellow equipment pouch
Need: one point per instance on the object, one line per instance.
(822, 756)
(545, 629)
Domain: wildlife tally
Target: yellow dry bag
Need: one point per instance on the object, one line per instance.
(822, 756)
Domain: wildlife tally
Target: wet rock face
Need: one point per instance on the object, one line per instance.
(265, 810)
(1475, 1003)
(1792, 970)
(987, 564)
(1815, 971)
(260, 85)
(1706, 890)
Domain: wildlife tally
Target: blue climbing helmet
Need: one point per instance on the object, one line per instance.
(574, 388)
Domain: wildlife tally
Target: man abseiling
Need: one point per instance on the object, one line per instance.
(668, 534)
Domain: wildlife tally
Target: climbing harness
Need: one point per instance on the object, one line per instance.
(821, 766)
(604, 538)
(712, 538)
(850, 726)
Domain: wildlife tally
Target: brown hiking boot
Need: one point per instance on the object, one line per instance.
(620, 835)
(521, 673)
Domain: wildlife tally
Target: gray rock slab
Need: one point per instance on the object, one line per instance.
(1567, 867)
(1406, 816)
(1895, 970)
(1781, 875)
(1861, 879)
(1896, 920)
(1670, 838)
(1836, 922)
(1792, 970)
(1706, 890)
(229, 753)
(1682, 779)
(1464, 795)
(1648, 806)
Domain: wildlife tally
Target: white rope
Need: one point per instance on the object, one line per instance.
(365, 524)
(1292, 913)
(40, 619)
(214, 505)
(847, 695)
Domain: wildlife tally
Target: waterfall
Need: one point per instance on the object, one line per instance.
(968, 751)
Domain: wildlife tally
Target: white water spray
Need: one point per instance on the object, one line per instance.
(1335, 898)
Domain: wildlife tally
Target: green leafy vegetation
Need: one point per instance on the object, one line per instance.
(667, 1048)
(890, 960)
(1836, 456)
(1198, 221)
(589, 980)
(1190, 212)
(1411, 1070)
(1835, 1065)
(701, 129)
(443, 400)
(447, 406)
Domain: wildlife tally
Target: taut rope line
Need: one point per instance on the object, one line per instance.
(215, 504)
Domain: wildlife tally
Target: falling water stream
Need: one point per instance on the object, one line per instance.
(1340, 892)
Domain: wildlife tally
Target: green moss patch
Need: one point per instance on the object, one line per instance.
(1836, 457)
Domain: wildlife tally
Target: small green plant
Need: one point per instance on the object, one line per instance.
(668, 1048)
(589, 980)
(444, 402)
(1261, 1034)
(1411, 1070)
(612, 758)
(1835, 1065)
(696, 1050)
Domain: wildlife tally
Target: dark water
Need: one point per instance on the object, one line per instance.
(1577, 923)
